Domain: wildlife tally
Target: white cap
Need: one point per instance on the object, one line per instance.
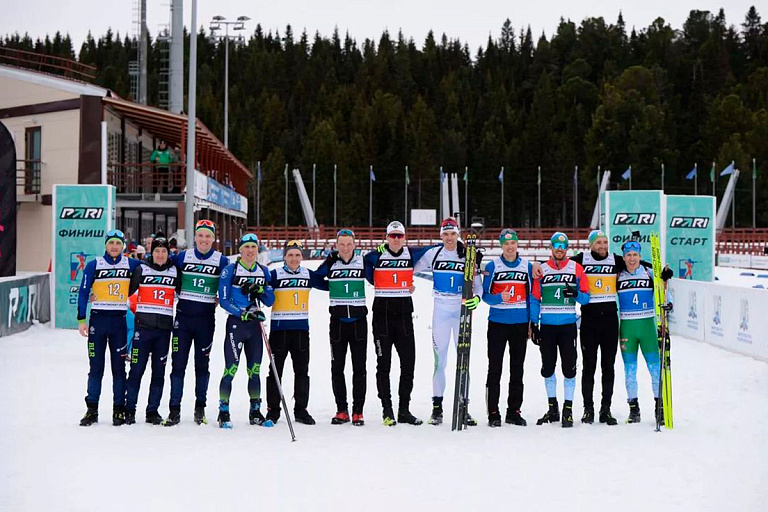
(141, 249)
(395, 227)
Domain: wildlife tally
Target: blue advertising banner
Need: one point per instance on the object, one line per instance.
(82, 215)
(690, 237)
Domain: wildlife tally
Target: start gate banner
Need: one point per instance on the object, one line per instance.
(630, 211)
(690, 237)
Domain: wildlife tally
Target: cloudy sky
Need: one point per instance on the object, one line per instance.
(471, 21)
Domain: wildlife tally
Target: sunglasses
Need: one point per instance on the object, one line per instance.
(631, 246)
(115, 233)
(294, 243)
(560, 245)
(396, 235)
(249, 237)
(345, 232)
(204, 223)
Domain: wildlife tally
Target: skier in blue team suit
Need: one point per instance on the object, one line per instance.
(242, 286)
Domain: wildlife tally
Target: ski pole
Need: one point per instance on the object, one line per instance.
(277, 380)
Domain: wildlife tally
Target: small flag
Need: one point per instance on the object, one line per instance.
(694, 172)
(727, 170)
(501, 175)
(627, 173)
(442, 175)
(407, 177)
(373, 176)
(466, 175)
(712, 172)
(259, 175)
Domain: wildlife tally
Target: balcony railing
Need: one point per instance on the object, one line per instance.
(28, 176)
(147, 178)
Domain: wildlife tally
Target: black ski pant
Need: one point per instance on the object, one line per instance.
(499, 335)
(599, 332)
(394, 330)
(562, 337)
(295, 343)
(355, 335)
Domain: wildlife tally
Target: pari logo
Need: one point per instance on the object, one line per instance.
(81, 213)
(689, 222)
(637, 219)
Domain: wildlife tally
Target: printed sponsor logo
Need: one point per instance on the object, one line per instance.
(199, 268)
(81, 212)
(353, 273)
(112, 272)
(634, 283)
(394, 264)
(158, 280)
(638, 219)
(600, 269)
(744, 335)
(293, 283)
(693, 315)
(457, 266)
(558, 278)
(717, 306)
(511, 276)
(689, 222)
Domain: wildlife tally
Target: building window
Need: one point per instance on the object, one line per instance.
(32, 159)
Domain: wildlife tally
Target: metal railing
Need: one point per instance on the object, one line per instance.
(147, 178)
(48, 63)
(28, 176)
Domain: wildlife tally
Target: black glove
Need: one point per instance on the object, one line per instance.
(331, 259)
(479, 259)
(252, 290)
(535, 334)
(253, 313)
(570, 292)
(666, 274)
(461, 249)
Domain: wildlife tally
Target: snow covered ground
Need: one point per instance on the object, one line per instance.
(747, 277)
(714, 459)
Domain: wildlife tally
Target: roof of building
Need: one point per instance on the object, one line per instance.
(61, 83)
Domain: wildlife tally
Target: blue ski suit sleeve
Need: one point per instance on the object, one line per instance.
(225, 291)
(317, 280)
(489, 298)
(370, 261)
(85, 289)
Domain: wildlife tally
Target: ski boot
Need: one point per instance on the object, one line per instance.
(494, 419)
(470, 421)
(389, 415)
(567, 414)
(405, 416)
(200, 414)
(274, 415)
(589, 414)
(552, 415)
(118, 416)
(301, 416)
(513, 418)
(154, 418)
(357, 419)
(130, 417)
(224, 419)
(437, 411)
(606, 416)
(659, 412)
(340, 418)
(174, 417)
(91, 415)
(255, 416)
(634, 411)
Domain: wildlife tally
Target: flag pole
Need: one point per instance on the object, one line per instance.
(405, 213)
(370, 197)
(538, 213)
(662, 176)
(696, 179)
(334, 196)
(466, 196)
(576, 197)
(754, 195)
(630, 177)
(502, 196)
(258, 195)
(733, 201)
(285, 173)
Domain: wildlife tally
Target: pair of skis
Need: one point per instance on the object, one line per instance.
(461, 394)
(662, 324)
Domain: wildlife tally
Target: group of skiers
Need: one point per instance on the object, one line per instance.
(527, 300)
